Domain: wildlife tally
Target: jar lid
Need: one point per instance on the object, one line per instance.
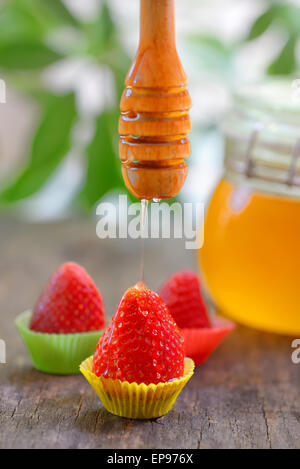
(280, 97)
(263, 135)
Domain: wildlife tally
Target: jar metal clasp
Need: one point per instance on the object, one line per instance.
(249, 157)
(253, 139)
(293, 164)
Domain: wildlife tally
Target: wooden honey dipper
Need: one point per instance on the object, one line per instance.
(154, 117)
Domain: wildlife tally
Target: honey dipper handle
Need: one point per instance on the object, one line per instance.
(154, 120)
(157, 23)
(157, 64)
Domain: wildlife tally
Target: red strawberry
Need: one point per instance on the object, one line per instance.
(183, 297)
(69, 303)
(142, 343)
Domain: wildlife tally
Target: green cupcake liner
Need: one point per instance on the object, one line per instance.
(59, 354)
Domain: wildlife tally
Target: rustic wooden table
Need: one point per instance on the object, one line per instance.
(246, 396)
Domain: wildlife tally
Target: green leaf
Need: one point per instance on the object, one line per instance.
(262, 23)
(104, 25)
(286, 62)
(119, 62)
(32, 20)
(209, 41)
(51, 143)
(106, 47)
(17, 23)
(212, 54)
(289, 15)
(26, 56)
(101, 32)
(60, 11)
(103, 165)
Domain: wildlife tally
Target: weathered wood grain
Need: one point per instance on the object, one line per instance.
(246, 396)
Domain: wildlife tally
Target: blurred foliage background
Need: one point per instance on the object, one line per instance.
(71, 68)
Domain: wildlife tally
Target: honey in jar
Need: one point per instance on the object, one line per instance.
(250, 259)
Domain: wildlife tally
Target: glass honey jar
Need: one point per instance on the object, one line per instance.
(250, 259)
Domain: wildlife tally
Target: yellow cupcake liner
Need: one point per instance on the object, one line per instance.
(136, 401)
(59, 354)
